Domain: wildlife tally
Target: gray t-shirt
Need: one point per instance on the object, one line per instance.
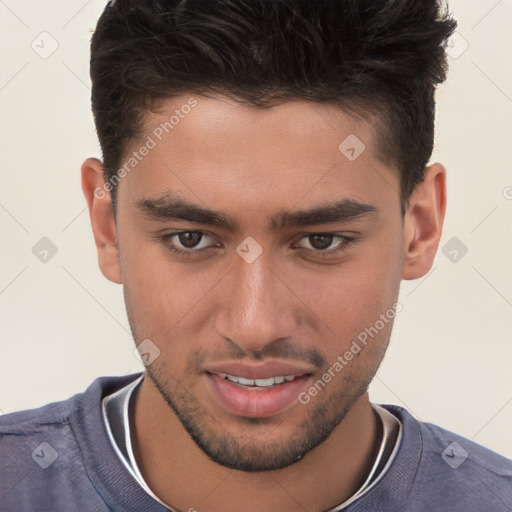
(59, 458)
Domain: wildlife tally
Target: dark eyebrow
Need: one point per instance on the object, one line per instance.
(340, 211)
(169, 207)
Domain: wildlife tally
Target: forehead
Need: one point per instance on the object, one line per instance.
(206, 120)
(220, 152)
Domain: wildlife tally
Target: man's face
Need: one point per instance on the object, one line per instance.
(259, 292)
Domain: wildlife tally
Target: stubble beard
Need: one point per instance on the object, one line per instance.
(244, 452)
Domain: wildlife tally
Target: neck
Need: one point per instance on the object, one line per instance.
(184, 478)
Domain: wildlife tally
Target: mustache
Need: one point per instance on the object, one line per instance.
(282, 350)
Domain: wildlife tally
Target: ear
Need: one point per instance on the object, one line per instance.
(101, 213)
(423, 223)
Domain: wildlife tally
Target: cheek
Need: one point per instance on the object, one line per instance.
(352, 296)
(158, 292)
(161, 294)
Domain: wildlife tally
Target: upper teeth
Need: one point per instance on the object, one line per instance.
(258, 382)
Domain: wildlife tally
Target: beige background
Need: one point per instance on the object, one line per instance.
(62, 324)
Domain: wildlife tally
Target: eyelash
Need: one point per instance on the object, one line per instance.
(345, 243)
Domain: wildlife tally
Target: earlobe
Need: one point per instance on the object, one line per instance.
(423, 223)
(101, 214)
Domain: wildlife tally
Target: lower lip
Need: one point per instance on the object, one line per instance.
(255, 402)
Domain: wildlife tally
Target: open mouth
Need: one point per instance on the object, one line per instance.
(259, 383)
(255, 398)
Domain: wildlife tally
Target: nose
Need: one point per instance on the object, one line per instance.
(257, 307)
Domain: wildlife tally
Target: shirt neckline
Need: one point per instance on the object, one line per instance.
(122, 493)
(116, 410)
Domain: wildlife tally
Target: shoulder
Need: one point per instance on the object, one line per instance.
(456, 473)
(55, 415)
(40, 449)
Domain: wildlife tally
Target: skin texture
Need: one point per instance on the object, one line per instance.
(289, 304)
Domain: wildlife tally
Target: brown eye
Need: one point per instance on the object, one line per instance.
(189, 239)
(187, 243)
(320, 242)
